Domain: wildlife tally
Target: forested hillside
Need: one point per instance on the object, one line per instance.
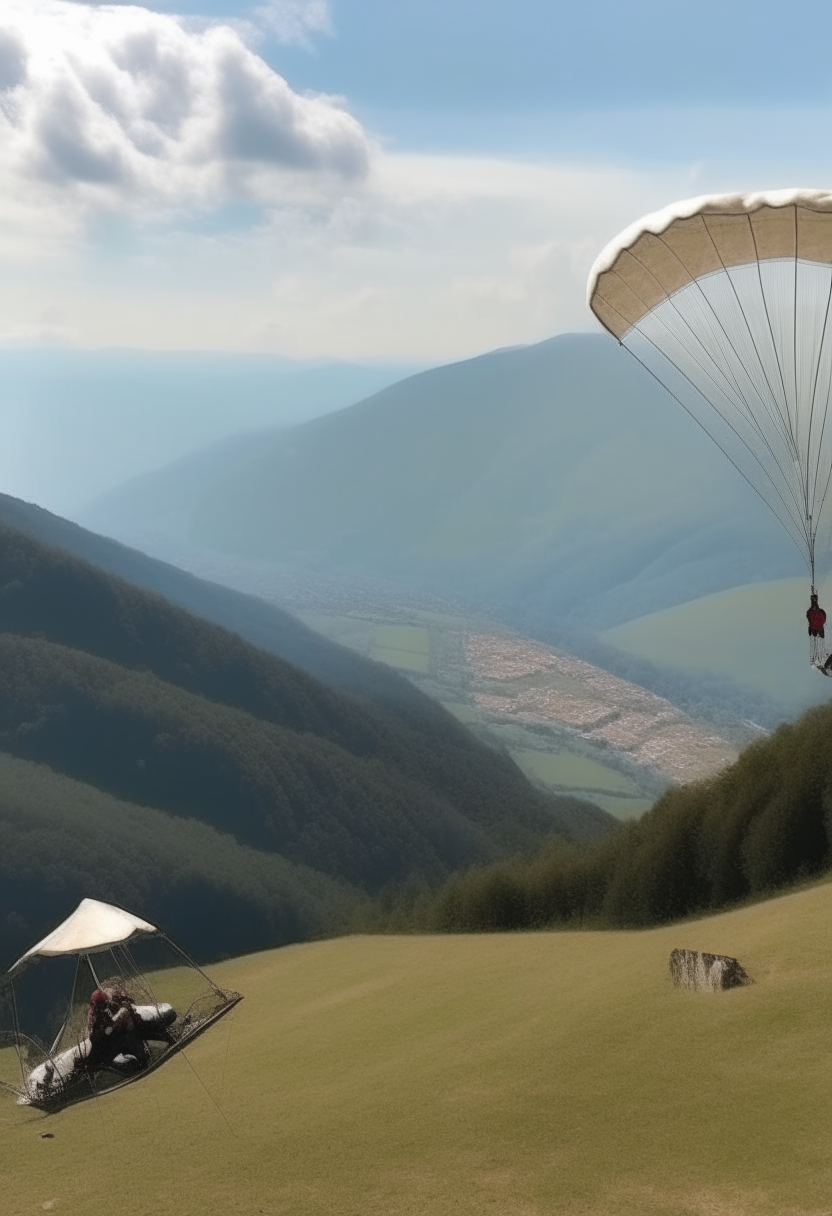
(121, 690)
(48, 593)
(61, 840)
(260, 623)
(761, 824)
(336, 806)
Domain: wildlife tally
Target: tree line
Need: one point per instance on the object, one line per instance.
(760, 825)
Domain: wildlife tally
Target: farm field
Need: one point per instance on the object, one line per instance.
(619, 805)
(570, 726)
(756, 634)
(528, 1074)
(568, 771)
(404, 646)
(566, 768)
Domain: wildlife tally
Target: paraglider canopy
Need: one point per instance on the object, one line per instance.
(669, 249)
(100, 1001)
(726, 300)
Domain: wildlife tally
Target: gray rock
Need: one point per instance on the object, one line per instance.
(706, 972)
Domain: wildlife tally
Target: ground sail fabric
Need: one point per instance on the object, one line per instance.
(727, 301)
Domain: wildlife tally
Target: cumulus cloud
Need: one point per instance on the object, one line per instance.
(120, 106)
(434, 258)
(348, 251)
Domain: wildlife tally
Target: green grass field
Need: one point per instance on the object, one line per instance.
(755, 634)
(619, 805)
(403, 646)
(574, 771)
(575, 774)
(520, 1074)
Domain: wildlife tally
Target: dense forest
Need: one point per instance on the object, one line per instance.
(61, 840)
(165, 712)
(760, 825)
(343, 811)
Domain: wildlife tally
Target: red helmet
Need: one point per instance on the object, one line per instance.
(99, 997)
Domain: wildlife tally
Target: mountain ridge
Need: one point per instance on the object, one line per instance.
(543, 478)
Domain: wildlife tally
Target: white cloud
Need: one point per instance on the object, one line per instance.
(116, 115)
(439, 257)
(429, 258)
(293, 21)
(119, 108)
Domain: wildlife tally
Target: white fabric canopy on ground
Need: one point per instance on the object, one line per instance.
(92, 926)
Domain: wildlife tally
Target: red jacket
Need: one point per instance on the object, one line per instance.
(816, 618)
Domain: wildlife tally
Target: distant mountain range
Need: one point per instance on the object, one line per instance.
(79, 422)
(556, 481)
(165, 735)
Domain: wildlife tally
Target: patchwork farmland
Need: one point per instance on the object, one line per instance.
(569, 725)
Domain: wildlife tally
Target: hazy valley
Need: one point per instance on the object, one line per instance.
(539, 488)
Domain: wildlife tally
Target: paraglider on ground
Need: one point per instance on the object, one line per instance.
(516, 1073)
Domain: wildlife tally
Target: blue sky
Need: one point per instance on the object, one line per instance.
(528, 55)
(372, 179)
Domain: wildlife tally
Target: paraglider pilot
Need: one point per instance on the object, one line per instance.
(816, 617)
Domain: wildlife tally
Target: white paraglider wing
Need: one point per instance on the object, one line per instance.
(727, 301)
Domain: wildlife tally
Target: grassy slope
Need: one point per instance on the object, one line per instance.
(522, 1074)
(755, 634)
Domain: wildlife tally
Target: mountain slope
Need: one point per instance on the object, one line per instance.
(215, 781)
(756, 634)
(62, 840)
(556, 1073)
(258, 622)
(50, 593)
(760, 824)
(353, 816)
(547, 478)
(81, 421)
